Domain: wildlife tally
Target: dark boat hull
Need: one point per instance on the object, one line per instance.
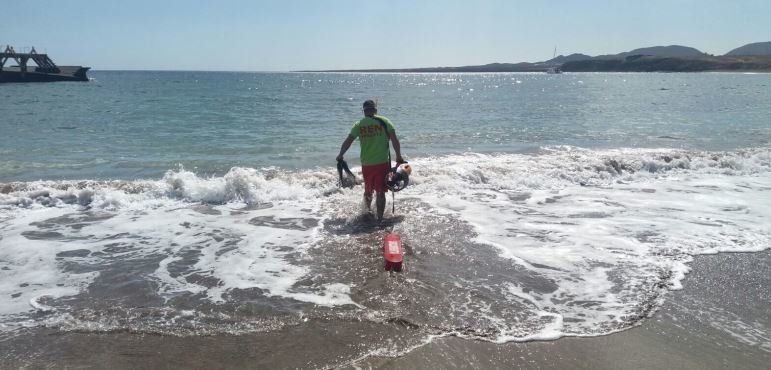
(66, 73)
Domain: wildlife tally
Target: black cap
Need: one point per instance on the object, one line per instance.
(370, 104)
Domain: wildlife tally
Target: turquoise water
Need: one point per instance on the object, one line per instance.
(127, 125)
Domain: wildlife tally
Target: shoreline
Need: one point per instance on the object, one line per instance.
(727, 286)
(740, 71)
(673, 337)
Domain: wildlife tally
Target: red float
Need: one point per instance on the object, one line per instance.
(393, 252)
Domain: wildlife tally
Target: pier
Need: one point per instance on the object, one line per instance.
(44, 63)
(45, 69)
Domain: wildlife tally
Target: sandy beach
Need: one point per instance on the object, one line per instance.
(697, 328)
(683, 334)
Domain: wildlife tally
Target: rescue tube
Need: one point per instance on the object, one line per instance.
(393, 252)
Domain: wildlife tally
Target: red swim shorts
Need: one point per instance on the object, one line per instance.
(375, 177)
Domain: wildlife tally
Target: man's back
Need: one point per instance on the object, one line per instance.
(373, 139)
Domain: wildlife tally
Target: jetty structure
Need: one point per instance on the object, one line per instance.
(45, 70)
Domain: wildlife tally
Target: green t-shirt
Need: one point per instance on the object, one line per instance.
(373, 140)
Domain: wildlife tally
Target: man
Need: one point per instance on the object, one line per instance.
(374, 133)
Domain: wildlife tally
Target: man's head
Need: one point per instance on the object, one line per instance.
(370, 108)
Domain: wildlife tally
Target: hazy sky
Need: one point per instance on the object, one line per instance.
(291, 35)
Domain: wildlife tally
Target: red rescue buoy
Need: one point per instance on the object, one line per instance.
(393, 252)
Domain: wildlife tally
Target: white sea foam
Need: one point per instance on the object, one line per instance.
(159, 217)
(28, 268)
(613, 230)
(603, 224)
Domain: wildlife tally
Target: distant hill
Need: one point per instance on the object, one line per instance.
(672, 58)
(757, 48)
(570, 58)
(648, 63)
(675, 51)
(671, 51)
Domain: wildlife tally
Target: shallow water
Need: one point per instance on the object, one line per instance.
(128, 125)
(511, 235)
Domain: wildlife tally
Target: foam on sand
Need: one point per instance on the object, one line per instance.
(610, 231)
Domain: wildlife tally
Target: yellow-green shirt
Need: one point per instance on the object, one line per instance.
(374, 141)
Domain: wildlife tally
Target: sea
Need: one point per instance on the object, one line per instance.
(206, 205)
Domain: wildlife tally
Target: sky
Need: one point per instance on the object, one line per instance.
(286, 35)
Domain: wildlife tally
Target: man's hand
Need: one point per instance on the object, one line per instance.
(399, 159)
(339, 158)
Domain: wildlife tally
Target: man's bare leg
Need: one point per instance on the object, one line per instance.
(368, 200)
(380, 205)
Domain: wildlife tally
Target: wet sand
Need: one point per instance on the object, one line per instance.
(684, 333)
(724, 294)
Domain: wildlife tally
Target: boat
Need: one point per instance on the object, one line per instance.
(554, 70)
(44, 71)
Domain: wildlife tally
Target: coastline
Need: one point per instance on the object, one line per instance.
(443, 71)
(678, 335)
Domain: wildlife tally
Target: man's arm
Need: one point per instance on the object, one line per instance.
(397, 146)
(344, 148)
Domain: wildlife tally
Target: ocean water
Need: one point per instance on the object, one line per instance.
(193, 204)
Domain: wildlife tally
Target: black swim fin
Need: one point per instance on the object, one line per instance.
(347, 180)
